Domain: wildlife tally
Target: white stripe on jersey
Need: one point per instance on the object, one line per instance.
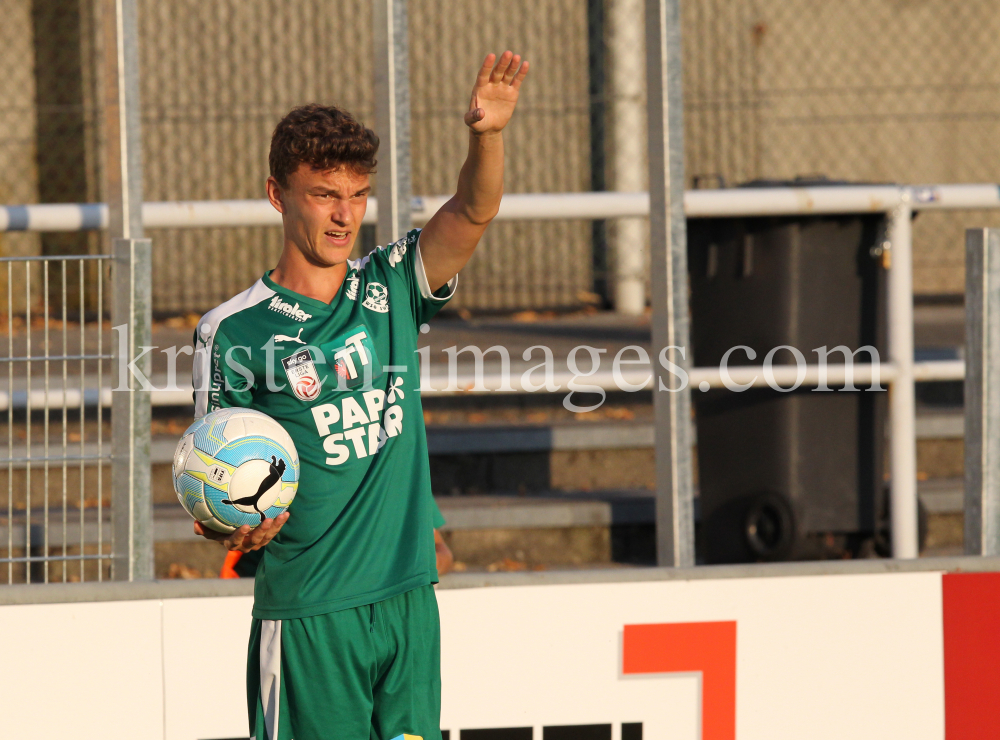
(207, 327)
(425, 288)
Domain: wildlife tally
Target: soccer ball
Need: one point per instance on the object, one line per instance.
(234, 467)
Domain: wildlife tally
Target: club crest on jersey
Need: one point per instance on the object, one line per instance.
(287, 309)
(302, 375)
(376, 298)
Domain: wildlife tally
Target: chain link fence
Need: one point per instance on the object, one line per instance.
(858, 90)
(873, 91)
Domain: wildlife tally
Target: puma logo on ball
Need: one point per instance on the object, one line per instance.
(276, 471)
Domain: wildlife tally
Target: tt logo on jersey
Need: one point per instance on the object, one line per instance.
(302, 375)
(354, 363)
(344, 359)
(376, 298)
(287, 309)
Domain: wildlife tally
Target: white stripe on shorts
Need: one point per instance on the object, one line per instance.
(270, 674)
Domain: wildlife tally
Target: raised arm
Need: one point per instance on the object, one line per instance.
(450, 237)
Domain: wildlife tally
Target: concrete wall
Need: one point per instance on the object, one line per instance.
(705, 653)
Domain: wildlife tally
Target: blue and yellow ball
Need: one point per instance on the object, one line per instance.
(234, 467)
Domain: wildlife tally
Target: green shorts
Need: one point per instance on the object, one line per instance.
(368, 673)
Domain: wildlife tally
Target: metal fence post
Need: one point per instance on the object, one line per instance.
(120, 120)
(131, 498)
(668, 263)
(392, 119)
(982, 392)
(131, 507)
(902, 404)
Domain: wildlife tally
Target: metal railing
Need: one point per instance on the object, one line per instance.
(897, 202)
(78, 498)
(57, 519)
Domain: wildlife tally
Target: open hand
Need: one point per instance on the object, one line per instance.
(245, 539)
(495, 93)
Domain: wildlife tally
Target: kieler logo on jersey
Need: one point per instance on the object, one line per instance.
(352, 288)
(288, 309)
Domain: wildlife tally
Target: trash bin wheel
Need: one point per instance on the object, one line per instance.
(769, 526)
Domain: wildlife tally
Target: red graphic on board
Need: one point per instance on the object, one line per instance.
(971, 606)
(708, 648)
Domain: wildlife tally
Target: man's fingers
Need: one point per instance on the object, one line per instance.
(209, 534)
(235, 540)
(484, 72)
(501, 66)
(519, 78)
(511, 70)
(279, 522)
(266, 531)
(259, 533)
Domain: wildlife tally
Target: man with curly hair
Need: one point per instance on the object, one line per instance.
(345, 638)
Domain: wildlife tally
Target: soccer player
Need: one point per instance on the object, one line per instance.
(345, 641)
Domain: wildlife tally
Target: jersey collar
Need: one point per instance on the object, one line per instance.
(301, 299)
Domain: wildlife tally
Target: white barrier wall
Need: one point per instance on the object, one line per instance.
(834, 656)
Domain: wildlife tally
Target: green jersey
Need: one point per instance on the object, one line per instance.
(343, 380)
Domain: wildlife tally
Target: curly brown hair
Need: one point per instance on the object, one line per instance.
(323, 137)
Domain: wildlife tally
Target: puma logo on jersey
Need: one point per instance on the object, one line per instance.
(286, 338)
(288, 309)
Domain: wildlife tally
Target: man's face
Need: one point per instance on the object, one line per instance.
(322, 211)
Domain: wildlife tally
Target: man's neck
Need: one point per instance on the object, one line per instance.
(297, 274)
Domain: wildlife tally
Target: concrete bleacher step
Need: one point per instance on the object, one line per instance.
(550, 509)
(504, 438)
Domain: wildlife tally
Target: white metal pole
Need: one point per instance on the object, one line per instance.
(131, 499)
(626, 44)
(392, 118)
(524, 206)
(668, 267)
(902, 411)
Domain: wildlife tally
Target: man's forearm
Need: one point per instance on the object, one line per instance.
(450, 237)
(480, 183)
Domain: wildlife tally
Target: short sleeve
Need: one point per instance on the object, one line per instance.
(404, 258)
(436, 515)
(220, 378)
